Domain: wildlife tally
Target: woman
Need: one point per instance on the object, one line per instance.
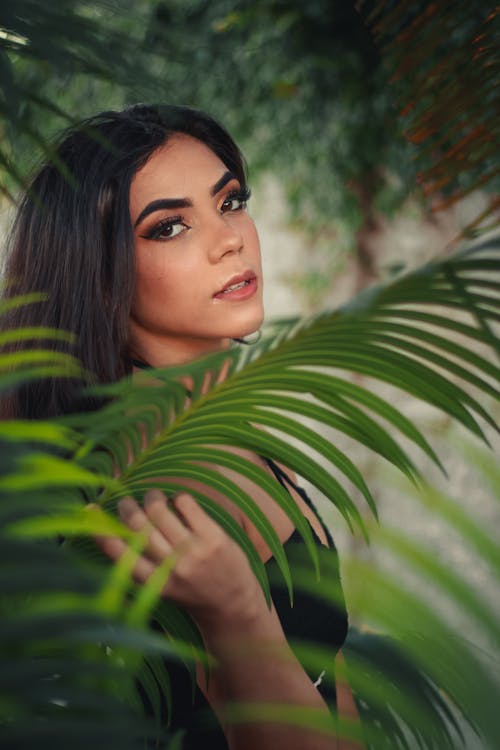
(138, 232)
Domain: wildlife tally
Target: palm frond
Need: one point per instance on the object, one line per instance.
(429, 638)
(59, 686)
(43, 45)
(22, 366)
(419, 677)
(69, 652)
(430, 333)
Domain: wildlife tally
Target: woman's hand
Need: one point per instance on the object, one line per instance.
(211, 577)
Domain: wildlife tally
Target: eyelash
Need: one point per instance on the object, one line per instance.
(242, 195)
(162, 226)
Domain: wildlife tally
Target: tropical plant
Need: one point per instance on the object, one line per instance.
(430, 333)
(412, 664)
(75, 630)
(280, 54)
(70, 649)
(57, 62)
(320, 72)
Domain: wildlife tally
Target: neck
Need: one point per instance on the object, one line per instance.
(157, 352)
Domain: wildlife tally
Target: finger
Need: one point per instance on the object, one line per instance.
(224, 371)
(173, 529)
(131, 514)
(114, 548)
(207, 382)
(188, 382)
(157, 546)
(193, 515)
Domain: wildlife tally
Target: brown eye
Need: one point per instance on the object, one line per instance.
(166, 230)
(235, 201)
(232, 204)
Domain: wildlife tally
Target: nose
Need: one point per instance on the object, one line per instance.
(225, 237)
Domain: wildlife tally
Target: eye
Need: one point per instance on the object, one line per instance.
(166, 229)
(235, 201)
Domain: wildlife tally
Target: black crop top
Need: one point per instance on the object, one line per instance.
(311, 619)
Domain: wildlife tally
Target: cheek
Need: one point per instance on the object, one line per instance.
(156, 268)
(153, 279)
(161, 282)
(252, 242)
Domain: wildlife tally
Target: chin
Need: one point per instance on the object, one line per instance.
(253, 326)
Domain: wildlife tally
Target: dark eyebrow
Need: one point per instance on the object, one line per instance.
(226, 177)
(160, 204)
(163, 203)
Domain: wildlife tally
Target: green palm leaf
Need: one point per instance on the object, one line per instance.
(419, 680)
(53, 673)
(58, 686)
(40, 43)
(404, 334)
(295, 373)
(156, 431)
(442, 653)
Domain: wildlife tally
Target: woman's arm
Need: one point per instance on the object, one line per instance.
(213, 580)
(346, 707)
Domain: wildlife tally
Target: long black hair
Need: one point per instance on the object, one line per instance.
(72, 239)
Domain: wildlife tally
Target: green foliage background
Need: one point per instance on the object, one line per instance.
(305, 90)
(296, 84)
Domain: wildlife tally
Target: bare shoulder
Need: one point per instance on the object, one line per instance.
(276, 515)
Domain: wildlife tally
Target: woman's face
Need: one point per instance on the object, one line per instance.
(198, 279)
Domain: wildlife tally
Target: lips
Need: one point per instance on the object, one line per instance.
(236, 284)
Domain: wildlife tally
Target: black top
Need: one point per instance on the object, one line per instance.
(311, 619)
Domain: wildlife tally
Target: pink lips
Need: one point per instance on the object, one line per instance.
(239, 287)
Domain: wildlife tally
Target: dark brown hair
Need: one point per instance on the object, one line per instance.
(73, 240)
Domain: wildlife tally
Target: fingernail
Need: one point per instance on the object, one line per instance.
(154, 494)
(126, 506)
